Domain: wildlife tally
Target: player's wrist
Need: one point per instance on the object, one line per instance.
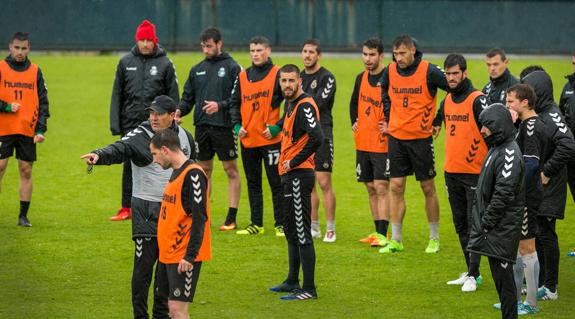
(237, 128)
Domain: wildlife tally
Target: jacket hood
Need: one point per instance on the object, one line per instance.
(497, 119)
(158, 51)
(543, 86)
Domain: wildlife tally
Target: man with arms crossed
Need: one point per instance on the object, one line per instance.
(318, 82)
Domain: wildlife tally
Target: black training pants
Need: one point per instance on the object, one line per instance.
(127, 184)
(297, 186)
(460, 192)
(252, 161)
(145, 257)
(547, 245)
(502, 272)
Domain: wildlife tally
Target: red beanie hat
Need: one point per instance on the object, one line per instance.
(146, 31)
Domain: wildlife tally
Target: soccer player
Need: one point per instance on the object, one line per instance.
(366, 116)
(183, 224)
(531, 138)
(554, 179)
(149, 181)
(499, 76)
(409, 87)
(24, 115)
(567, 107)
(255, 110)
(141, 75)
(499, 204)
(465, 151)
(209, 87)
(318, 82)
(301, 137)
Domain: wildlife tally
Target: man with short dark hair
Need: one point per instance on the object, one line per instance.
(531, 138)
(499, 76)
(149, 181)
(300, 138)
(255, 110)
(371, 161)
(141, 75)
(409, 87)
(183, 225)
(23, 116)
(553, 177)
(209, 88)
(319, 82)
(465, 151)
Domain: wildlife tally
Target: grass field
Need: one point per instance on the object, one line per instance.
(74, 263)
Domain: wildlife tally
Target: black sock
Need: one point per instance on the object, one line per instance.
(232, 213)
(307, 257)
(376, 224)
(294, 263)
(24, 208)
(474, 261)
(382, 226)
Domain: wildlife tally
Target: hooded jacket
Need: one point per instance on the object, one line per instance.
(567, 101)
(495, 89)
(499, 199)
(211, 80)
(149, 179)
(139, 79)
(560, 147)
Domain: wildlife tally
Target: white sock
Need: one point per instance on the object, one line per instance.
(330, 225)
(518, 275)
(434, 230)
(396, 232)
(315, 225)
(531, 262)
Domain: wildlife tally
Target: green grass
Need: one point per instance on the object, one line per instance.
(74, 263)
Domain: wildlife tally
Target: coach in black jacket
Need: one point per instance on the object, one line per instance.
(498, 204)
(554, 179)
(149, 181)
(141, 75)
(567, 106)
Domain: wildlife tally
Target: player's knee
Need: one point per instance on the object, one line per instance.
(232, 172)
(325, 185)
(370, 189)
(26, 172)
(397, 189)
(428, 188)
(177, 310)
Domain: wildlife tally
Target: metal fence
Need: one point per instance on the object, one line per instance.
(441, 25)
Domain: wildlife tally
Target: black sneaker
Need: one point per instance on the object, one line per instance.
(285, 287)
(24, 222)
(301, 294)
